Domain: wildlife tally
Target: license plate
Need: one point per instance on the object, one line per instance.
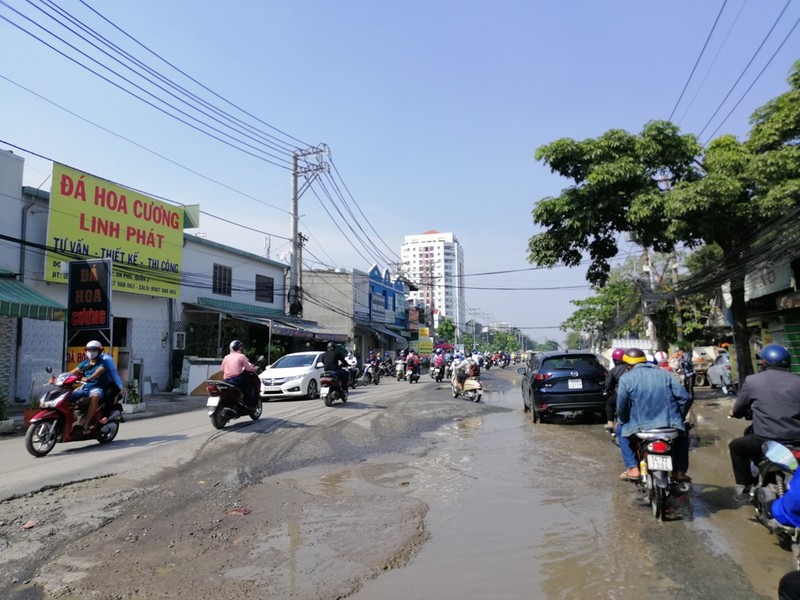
(324, 391)
(213, 401)
(659, 462)
(575, 384)
(272, 388)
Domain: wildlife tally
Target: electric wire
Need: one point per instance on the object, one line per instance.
(229, 102)
(760, 73)
(254, 154)
(95, 35)
(747, 66)
(702, 51)
(140, 146)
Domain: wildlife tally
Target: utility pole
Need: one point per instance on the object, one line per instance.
(678, 315)
(310, 171)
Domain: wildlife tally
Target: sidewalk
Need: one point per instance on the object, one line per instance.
(156, 405)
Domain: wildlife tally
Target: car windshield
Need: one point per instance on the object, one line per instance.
(294, 360)
(570, 362)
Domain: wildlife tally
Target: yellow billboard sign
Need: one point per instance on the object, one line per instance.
(424, 332)
(425, 346)
(91, 217)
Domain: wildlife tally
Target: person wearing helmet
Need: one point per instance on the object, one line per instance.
(96, 379)
(234, 367)
(334, 360)
(774, 397)
(610, 387)
(650, 398)
(686, 370)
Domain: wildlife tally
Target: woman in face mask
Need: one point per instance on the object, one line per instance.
(95, 377)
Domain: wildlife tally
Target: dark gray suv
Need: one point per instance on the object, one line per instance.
(563, 381)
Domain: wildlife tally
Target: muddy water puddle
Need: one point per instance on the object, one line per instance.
(512, 510)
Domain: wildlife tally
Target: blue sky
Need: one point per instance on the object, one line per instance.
(432, 111)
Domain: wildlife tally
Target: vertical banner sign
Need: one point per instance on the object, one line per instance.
(89, 302)
(92, 218)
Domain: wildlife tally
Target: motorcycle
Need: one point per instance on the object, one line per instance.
(437, 373)
(226, 402)
(399, 370)
(657, 484)
(411, 374)
(371, 374)
(385, 369)
(775, 471)
(354, 375)
(487, 363)
(331, 388)
(58, 415)
(472, 389)
(448, 369)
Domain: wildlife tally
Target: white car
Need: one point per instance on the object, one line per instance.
(294, 375)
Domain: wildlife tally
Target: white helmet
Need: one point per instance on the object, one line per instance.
(94, 344)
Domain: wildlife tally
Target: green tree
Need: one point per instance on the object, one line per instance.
(446, 331)
(548, 346)
(573, 340)
(665, 189)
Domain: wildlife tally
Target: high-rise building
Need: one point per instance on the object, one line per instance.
(435, 262)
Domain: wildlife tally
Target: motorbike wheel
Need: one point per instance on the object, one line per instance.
(217, 420)
(256, 414)
(108, 437)
(328, 400)
(38, 440)
(658, 500)
(376, 380)
(453, 390)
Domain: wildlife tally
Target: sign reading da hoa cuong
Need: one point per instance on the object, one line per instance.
(92, 218)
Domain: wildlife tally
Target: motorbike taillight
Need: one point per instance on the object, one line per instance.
(658, 446)
(796, 453)
(212, 389)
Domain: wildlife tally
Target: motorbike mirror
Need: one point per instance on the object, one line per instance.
(48, 369)
(780, 455)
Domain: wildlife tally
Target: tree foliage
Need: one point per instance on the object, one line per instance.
(446, 331)
(664, 189)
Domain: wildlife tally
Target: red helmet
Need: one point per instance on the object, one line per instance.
(617, 354)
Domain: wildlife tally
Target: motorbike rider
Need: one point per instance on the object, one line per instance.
(774, 396)
(333, 360)
(412, 360)
(610, 386)
(234, 366)
(650, 398)
(96, 378)
(466, 368)
(686, 368)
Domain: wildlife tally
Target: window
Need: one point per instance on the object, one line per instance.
(265, 289)
(222, 280)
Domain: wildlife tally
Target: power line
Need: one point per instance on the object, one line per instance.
(747, 66)
(702, 51)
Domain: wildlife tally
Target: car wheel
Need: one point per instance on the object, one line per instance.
(313, 390)
(700, 380)
(525, 407)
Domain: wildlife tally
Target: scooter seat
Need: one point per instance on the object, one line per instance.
(664, 433)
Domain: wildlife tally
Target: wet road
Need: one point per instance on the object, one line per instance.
(517, 510)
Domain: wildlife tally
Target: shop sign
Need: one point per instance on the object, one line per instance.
(767, 280)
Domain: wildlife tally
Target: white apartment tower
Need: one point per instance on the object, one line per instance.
(435, 261)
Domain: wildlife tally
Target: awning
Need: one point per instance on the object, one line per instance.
(19, 300)
(280, 323)
(389, 333)
(380, 330)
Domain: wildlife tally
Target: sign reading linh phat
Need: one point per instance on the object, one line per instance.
(94, 218)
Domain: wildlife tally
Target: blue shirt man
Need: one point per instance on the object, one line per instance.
(650, 398)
